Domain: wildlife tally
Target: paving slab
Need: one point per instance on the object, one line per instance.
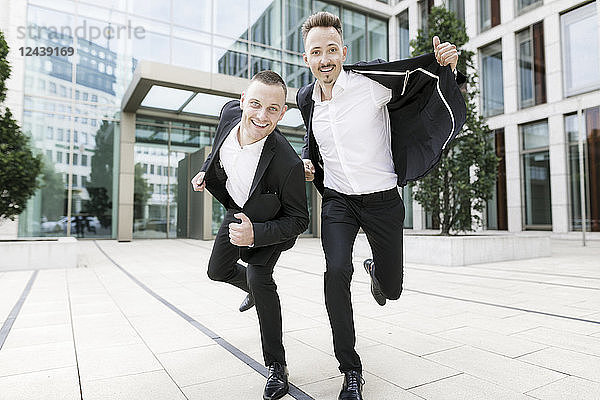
(509, 330)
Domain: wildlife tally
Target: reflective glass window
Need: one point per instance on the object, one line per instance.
(492, 87)
(581, 58)
(354, 26)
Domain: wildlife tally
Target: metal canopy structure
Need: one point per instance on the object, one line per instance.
(171, 91)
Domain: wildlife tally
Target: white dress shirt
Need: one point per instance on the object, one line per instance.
(353, 133)
(240, 165)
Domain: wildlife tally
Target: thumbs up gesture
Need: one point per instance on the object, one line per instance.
(241, 234)
(445, 53)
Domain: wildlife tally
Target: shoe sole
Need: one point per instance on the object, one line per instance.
(279, 396)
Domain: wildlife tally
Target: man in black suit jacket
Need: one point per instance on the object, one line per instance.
(370, 128)
(258, 177)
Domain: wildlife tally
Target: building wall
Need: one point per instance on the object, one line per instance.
(181, 33)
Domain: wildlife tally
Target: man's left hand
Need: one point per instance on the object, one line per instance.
(445, 53)
(241, 234)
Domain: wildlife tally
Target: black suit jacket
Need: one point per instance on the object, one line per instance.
(277, 201)
(427, 110)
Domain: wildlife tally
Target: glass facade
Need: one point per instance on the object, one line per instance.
(591, 168)
(492, 84)
(458, 7)
(72, 103)
(496, 207)
(580, 56)
(159, 150)
(531, 66)
(536, 175)
(526, 5)
(403, 38)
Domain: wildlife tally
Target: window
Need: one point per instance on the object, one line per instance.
(458, 7)
(489, 14)
(531, 66)
(75, 157)
(355, 31)
(424, 10)
(84, 181)
(492, 86)
(581, 59)
(496, 207)
(59, 157)
(75, 180)
(152, 169)
(49, 155)
(52, 87)
(84, 160)
(403, 38)
(60, 134)
(527, 5)
(49, 133)
(378, 43)
(536, 175)
(591, 168)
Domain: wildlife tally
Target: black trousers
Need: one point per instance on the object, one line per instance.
(256, 279)
(381, 216)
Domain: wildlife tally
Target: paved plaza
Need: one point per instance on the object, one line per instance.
(141, 320)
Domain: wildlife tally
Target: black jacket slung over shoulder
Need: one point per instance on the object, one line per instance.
(427, 110)
(276, 204)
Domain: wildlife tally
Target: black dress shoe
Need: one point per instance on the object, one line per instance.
(375, 289)
(277, 383)
(352, 386)
(248, 303)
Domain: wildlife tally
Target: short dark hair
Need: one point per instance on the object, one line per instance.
(269, 77)
(324, 19)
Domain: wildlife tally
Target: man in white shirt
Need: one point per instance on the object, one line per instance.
(258, 177)
(359, 166)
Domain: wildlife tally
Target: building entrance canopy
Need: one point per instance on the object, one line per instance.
(172, 91)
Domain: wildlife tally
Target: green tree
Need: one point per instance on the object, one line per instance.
(19, 167)
(464, 178)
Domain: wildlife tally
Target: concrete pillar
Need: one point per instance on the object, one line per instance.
(126, 177)
(471, 19)
(418, 216)
(559, 177)
(513, 178)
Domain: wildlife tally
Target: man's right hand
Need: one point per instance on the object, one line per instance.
(309, 170)
(198, 182)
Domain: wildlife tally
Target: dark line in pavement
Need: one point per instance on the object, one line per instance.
(4, 331)
(295, 392)
(532, 272)
(504, 306)
(73, 336)
(461, 299)
(505, 279)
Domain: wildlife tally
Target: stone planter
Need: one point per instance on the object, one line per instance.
(38, 253)
(466, 249)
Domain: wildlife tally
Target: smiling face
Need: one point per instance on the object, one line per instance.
(324, 54)
(263, 107)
